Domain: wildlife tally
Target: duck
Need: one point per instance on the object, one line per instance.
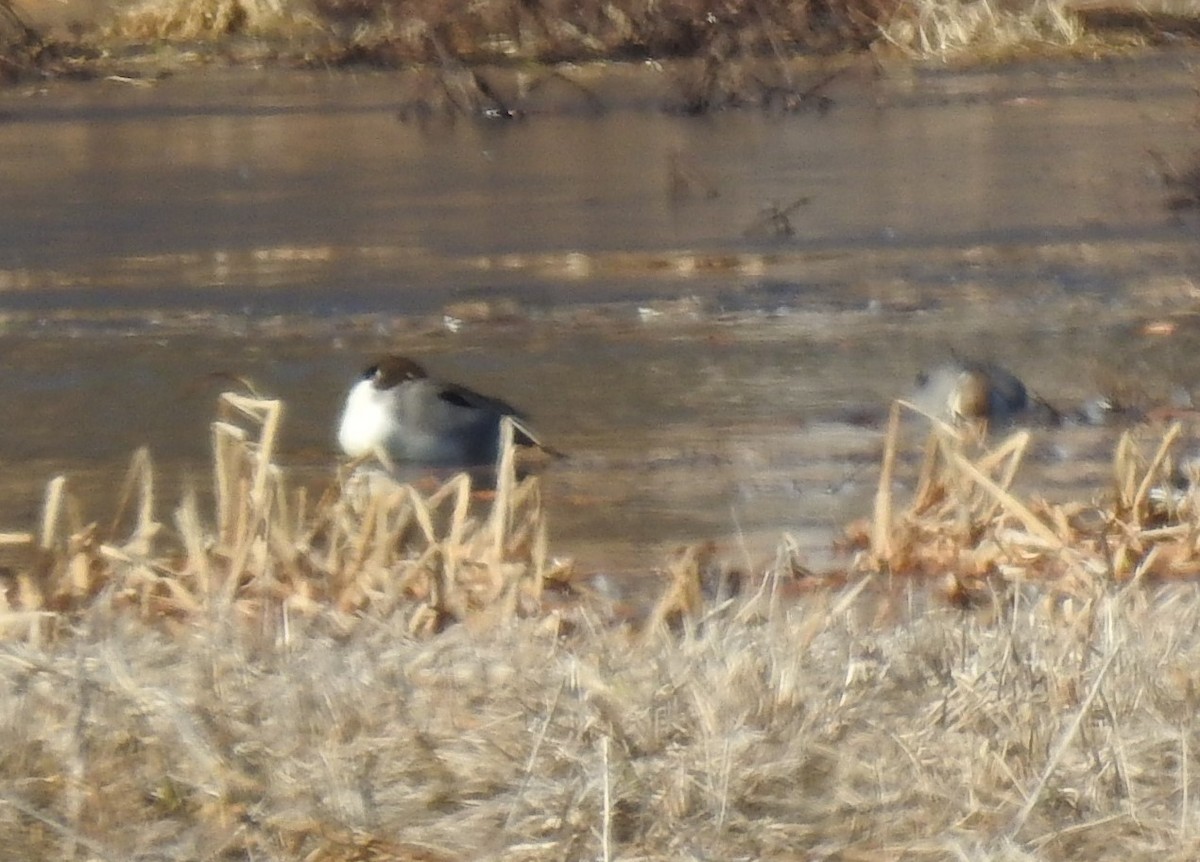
(398, 412)
(971, 391)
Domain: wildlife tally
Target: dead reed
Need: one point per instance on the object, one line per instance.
(419, 31)
(949, 28)
(735, 54)
(723, 36)
(764, 730)
(965, 526)
(22, 49)
(370, 547)
(259, 681)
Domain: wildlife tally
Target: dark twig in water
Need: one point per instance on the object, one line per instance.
(21, 47)
(706, 93)
(499, 109)
(466, 90)
(789, 99)
(775, 221)
(776, 49)
(449, 67)
(683, 181)
(1184, 186)
(727, 82)
(13, 28)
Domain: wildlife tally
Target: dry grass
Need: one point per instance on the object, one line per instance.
(944, 29)
(193, 20)
(269, 556)
(812, 730)
(393, 33)
(965, 526)
(732, 42)
(279, 682)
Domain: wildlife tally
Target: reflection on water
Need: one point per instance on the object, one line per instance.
(707, 379)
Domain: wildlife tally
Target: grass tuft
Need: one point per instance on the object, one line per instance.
(278, 678)
(388, 32)
(943, 29)
(964, 525)
(1049, 731)
(267, 556)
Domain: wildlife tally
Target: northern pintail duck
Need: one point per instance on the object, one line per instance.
(398, 411)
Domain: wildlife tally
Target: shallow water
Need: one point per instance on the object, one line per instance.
(709, 377)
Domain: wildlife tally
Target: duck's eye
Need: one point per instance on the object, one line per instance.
(922, 378)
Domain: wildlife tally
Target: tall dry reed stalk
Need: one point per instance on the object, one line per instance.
(770, 730)
(370, 546)
(965, 526)
(256, 683)
(945, 29)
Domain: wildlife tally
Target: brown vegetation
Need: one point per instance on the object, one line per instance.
(730, 41)
(947, 28)
(21, 48)
(367, 546)
(286, 679)
(391, 32)
(771, 732)
(965, 526)
(724, 36)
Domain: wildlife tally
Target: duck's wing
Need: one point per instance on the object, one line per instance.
(469, 399)
(462, 396)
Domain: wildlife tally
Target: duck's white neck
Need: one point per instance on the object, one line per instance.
(367, 420)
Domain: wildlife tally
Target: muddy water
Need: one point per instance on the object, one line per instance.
(713, 373)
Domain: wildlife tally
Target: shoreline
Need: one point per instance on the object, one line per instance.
(772, 60)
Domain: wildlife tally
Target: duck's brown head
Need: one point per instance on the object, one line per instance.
(971, 398)
(391, 370)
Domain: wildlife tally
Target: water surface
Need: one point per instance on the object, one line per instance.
(711, 373)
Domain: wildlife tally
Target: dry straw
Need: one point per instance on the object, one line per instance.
(369, 547)
(767, 730)
(966, 526)
(950, 28)
(259, 682)
(209, 19)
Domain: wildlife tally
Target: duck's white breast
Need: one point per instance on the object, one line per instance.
(367, 420)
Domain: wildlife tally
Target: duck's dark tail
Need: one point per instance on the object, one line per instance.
(524, 436)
